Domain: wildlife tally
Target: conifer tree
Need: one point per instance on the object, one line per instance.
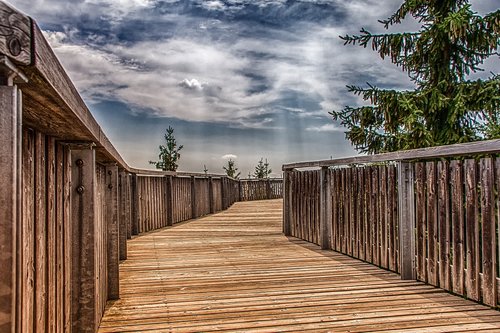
(262, 170)
(446, 106)
(231, 169)
(169, 153)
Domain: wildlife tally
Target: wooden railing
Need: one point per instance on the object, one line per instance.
(429, 214)
(260, 189)
(68, 200)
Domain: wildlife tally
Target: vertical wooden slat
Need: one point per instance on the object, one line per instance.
(28, 233)
(326, 209)
(406, 219)
(334, 212)
(169, 200)
(52, 239)
(383, 216)
(391, 214)
(444, 225)
(375, 217)
(432, 228)
(354, 213)
(67, 239)
(135, 205)
(113, 232)
(472, 231)
(420, 213)
(360, 217)
(41, 268)
(368, 214)
(60, 226)
(122, 206)
(457, 217)
(10, 201)
(488, 233)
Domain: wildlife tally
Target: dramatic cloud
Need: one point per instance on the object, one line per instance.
(268, 69)
(229, 157)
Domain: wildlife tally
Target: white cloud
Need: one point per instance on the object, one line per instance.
(326, 128)
(229, 157)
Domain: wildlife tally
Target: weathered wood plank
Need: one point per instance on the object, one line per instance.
(457, 217)
(472, 231)
(407, 219)
(432, 224)
(460, 149)
(10, 194)
(488, 233)
(444, 224)
(420, 220)
(303, 289)
(113, 232)
(15, 36)
(83, 236)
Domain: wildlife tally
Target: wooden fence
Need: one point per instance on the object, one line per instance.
(257, 189)
(68, 200)
(429, 214)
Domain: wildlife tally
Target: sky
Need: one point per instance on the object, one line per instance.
(240, 79)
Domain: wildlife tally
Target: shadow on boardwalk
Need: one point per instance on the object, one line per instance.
(235, 271)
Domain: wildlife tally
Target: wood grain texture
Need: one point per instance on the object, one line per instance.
(461, 149)
(15, 35)
(221, 273)
(10, 195)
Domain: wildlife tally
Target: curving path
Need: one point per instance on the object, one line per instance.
(234, 271)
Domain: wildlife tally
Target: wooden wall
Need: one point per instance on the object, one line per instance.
(44, 261)
(450, 208)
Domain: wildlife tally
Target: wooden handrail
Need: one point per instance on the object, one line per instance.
(460, 149)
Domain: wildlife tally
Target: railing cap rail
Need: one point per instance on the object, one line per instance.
(459, 149)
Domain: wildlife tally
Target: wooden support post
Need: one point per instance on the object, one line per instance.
(83, 216)
(10, 199)
(193, 198)
(211, 195)
(135, 205)
(406, 220)
(124, 216)
(287, 204)
(169, 200)
(325, 223)
(113, 232)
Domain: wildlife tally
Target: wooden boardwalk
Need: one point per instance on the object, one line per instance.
(234, 271)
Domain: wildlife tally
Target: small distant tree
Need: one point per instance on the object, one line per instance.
(169, 153)
(262, 170)
(205, 170)
(231, 169)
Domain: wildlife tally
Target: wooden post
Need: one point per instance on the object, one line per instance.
(113, 232)
(169, 200)
(123, 209)
(193, 198)
(83, 216)
(135, 205)
(10, 196)
(286, 203)
(325, 222)
(406, 220)
(211, 195)
(240, 195)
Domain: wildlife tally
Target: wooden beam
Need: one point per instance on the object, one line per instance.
(113, 232)
(406, 220)
(461, 149)
(287, 203)
(169, 200)
(193, 198)
(83, 217)
(135, 205)
(10, 194)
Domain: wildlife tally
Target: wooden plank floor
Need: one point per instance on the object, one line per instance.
(235, 272)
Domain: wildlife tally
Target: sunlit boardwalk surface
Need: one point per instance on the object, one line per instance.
(235, 272)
